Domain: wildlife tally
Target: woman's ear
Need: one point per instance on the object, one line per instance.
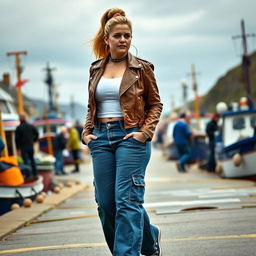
(105, 40)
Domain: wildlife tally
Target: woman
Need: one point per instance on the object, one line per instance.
(124, 108)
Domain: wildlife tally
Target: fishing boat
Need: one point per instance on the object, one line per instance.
(30, 187)
(10, 120)
(236, 144)
(16, 194)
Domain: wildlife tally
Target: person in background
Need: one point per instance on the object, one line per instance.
(254, 129)
(2, 145)
(26, 135)
(182, 136)
(211, 128)
(123, 111)
(73, 144)
(59, 144)
(79, 128)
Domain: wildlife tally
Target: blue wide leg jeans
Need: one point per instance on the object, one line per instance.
(119, 169)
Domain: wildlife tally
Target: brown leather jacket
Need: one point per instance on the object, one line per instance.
(139, 97)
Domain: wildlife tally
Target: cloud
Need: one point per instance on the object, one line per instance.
(171, 34)
(170, 23)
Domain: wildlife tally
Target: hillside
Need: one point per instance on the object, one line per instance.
(229, 87)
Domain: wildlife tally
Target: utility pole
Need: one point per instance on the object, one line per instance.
(184, 85)
(172, 104)
(246, 62)
(19, 71)
(48, 133)
(72, 107)
(196, 101)
(49, 82)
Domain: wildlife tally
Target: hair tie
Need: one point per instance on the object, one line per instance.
(116, 14)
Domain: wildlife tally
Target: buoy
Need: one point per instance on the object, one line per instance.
(43, 194)
(69, 184)
(219, 169)
(39, 199)
(78, 182)
(60, 185)
(56, 189)
(221, 107)
(237, 159)
(27, 202)
(15, 206)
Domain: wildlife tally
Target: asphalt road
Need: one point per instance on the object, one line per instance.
(198, 213)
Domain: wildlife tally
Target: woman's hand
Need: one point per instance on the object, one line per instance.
(137, 136)
(88, 138)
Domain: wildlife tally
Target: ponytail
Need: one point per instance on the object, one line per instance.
(110, 18)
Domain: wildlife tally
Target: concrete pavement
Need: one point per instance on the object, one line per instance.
(198, 213)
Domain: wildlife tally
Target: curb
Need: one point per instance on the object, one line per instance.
(13, 220)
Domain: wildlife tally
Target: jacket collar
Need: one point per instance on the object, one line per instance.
(132, 62)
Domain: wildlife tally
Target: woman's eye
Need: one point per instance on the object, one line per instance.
(126, 36)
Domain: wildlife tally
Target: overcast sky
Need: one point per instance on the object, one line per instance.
(171, 34)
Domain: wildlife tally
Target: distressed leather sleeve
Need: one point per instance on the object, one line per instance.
(88, 126)
(153, 105)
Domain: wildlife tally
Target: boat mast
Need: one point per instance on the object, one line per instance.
(246, 62)
(49, 82)
(19, 70)
(196, 102)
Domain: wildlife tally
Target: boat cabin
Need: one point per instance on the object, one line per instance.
(237, 126)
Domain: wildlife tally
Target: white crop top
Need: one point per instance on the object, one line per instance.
(107, 97)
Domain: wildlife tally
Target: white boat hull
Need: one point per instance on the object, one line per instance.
(247, 167)
(10, 192)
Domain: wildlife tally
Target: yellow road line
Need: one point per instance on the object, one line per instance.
(71, 218)
(208, 238)
(62, 219)
(93, 206)
(169, 180)
(53, 247)
(89, 245)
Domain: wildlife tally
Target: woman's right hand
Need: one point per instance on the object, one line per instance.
(88, 138)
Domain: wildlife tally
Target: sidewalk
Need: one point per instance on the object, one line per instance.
(13, 220)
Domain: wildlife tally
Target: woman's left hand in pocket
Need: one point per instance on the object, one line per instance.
(136, 135)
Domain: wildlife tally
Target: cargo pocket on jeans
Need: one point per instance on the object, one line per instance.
(137, 189)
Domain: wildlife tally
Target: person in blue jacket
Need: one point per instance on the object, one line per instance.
(2, 145)
(182, 138)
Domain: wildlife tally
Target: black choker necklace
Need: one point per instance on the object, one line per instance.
(118, 60)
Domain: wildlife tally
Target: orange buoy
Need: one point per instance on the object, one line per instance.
(56, 190)
(78, 182)
(69, 184)
(237, 159)
(15, 206)
(43, 194)
(219, 169)
(39, 199)
(27, 202)
(60, 185)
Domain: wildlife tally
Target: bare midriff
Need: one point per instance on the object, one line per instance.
(109, 119)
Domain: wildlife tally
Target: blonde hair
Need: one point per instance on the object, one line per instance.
(110, 18)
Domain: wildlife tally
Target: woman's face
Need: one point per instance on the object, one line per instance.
(119, 40)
